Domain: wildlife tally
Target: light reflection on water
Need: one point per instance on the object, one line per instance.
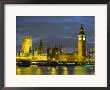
(56, 70)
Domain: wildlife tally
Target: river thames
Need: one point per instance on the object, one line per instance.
(56, 70)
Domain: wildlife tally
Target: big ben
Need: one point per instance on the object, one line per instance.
(81, 44)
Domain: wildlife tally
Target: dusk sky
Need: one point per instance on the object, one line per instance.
(55, 30)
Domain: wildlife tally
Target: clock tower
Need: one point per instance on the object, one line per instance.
(81, 44)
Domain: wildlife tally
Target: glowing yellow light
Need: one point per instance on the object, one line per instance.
(53, 71)
(65, 70)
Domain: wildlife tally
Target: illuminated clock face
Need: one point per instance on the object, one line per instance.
(79, 38)
(83, 38)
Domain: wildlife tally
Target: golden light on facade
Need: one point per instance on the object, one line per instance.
(27, 44)
(81, 44)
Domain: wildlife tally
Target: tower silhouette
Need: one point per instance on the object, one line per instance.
(81, 44)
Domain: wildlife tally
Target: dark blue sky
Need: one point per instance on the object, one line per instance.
(55, 30)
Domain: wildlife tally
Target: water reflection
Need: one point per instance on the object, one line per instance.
(65, 70)
(57, 70)
(78, 70)
(53, 71)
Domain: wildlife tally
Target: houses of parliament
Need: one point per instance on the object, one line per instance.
(56, 53)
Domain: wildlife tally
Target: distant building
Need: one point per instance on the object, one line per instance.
(40, 48)
(91, 53)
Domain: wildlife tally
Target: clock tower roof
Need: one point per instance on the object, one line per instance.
(81, 30)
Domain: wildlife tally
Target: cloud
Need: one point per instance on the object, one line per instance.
(55, 30)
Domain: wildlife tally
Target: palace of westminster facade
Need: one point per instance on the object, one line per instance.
(56, 53)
